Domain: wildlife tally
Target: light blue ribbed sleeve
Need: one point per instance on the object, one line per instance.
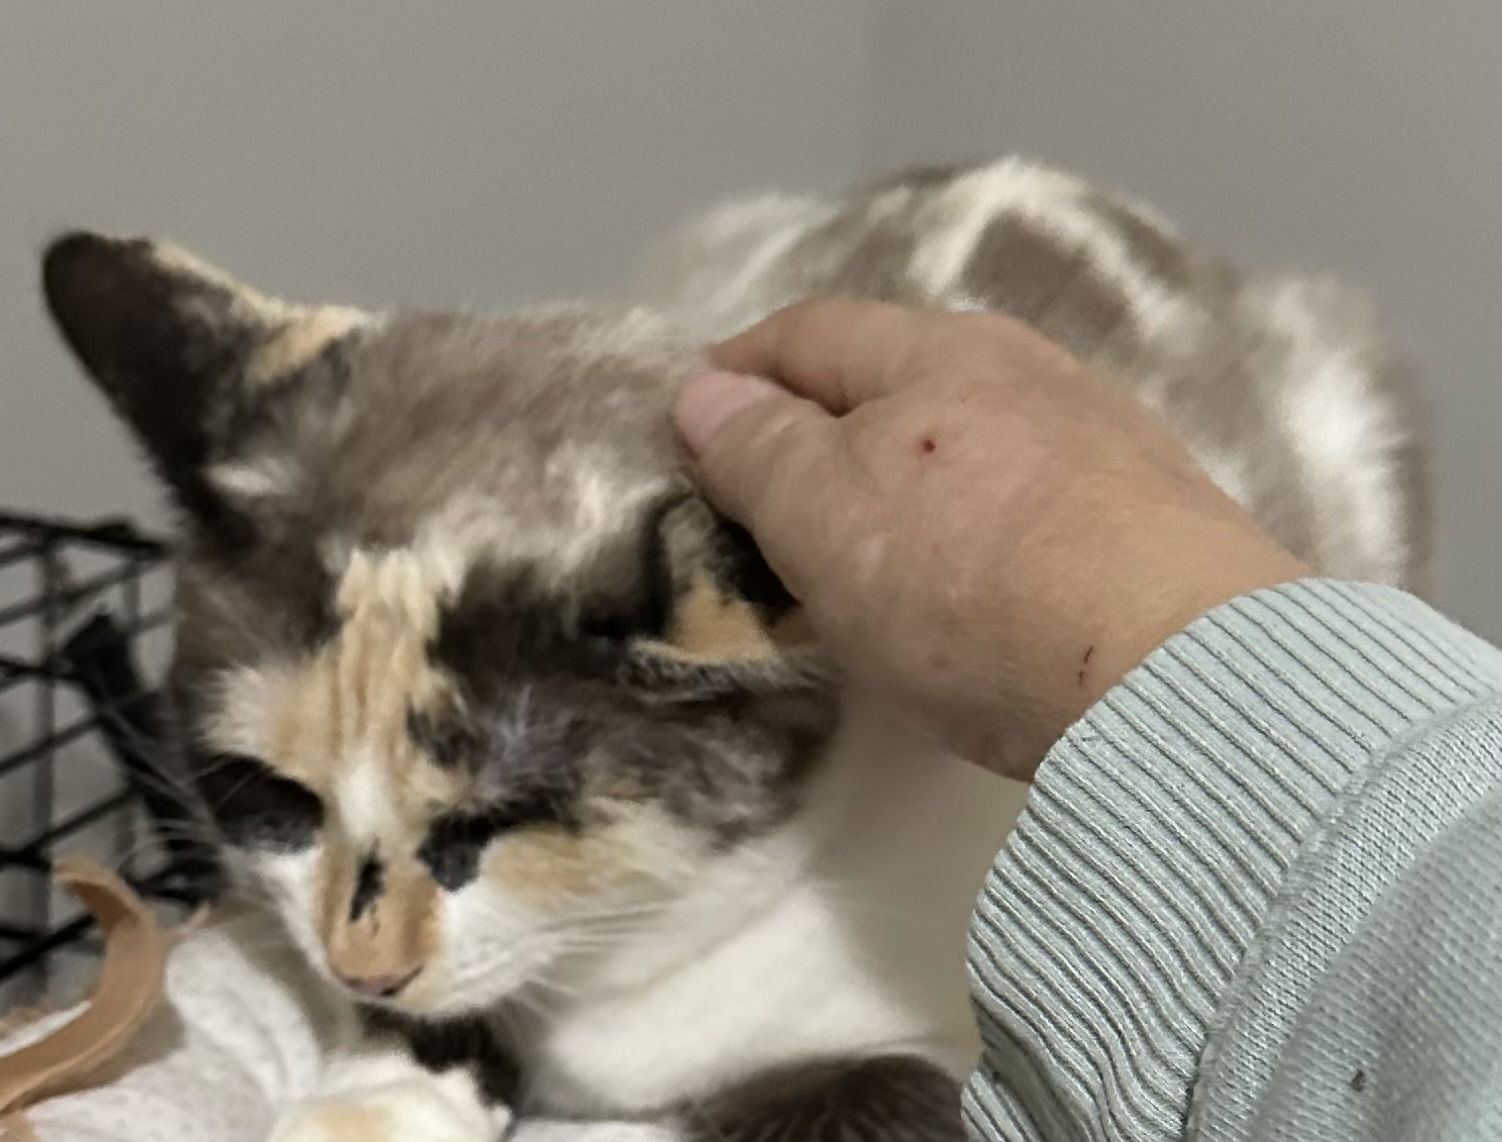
(1257, 891)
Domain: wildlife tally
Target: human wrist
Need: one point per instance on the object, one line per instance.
(1092, 644)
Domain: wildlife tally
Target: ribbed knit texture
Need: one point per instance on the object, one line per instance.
(1257, 890)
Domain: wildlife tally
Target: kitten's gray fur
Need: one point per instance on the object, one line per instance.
(463, 664)
(1283, 385)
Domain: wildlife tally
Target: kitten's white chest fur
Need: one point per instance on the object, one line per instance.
(857, 948)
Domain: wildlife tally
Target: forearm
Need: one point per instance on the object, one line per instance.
(1123, 948)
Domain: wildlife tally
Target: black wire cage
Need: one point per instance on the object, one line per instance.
(83, 624)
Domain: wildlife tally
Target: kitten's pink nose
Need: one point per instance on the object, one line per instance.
(378, 986)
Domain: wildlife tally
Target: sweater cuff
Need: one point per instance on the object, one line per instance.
(1160, 829)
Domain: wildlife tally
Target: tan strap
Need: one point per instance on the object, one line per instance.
(129, 984)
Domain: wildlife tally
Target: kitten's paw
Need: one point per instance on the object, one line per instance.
(429, 1108)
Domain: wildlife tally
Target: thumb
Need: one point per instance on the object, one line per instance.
(754, 445)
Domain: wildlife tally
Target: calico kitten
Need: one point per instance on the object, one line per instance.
(524, 746)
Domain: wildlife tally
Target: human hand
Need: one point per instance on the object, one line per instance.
(979, 526)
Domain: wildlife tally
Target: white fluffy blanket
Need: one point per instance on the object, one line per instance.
(224, 1036)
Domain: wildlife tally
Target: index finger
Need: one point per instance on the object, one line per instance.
(837, 352)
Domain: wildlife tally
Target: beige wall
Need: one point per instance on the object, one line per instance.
(370, 151)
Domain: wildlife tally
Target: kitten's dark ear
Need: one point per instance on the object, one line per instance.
(179, 348)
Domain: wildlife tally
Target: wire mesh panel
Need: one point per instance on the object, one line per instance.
(83, 623)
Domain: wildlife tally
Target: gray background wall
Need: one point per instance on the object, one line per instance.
(374, 152)
(1356, 135)
(369, 151)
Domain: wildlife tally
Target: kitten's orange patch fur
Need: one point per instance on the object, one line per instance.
(397, 934)
(538, 866)
(298, 333)
(306, 334)
(352, 698)
(544, 865)
(710, 626)
(347, 707)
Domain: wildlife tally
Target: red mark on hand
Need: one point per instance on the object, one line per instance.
(1084, 662)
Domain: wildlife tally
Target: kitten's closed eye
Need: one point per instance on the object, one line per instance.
(256, 806)
(455, 841)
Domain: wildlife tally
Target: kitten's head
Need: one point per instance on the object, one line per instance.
(462, 667)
